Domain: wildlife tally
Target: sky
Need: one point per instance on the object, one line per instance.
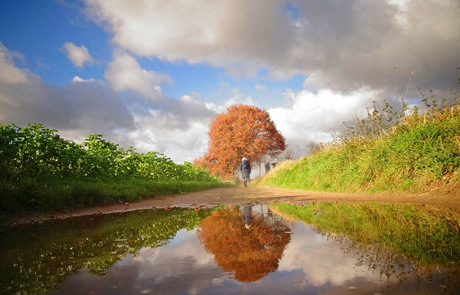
(153, 74)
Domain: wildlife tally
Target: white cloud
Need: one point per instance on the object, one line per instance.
(315, 117)
(163, 132)
(346, 46)
(124, 72)
(176, 127)
(83, 108)
(78, 55)
(220, 33)
(260, 87)
(78, 79)
(9, 73)
(347, 51)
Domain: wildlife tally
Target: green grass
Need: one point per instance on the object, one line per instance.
(420, 153)
(430, 237)
(32, 195)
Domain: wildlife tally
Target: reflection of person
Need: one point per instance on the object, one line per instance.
(247, 216)
(245, 168)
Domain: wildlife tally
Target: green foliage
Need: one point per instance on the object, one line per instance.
(430, 237)
(34, 151)
(40, 170)
(420, 151)
(59, 249)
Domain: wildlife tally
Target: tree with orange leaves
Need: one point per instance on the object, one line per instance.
(243, 131)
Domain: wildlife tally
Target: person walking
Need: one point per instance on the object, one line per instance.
(245, 168)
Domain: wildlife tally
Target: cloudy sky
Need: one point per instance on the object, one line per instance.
(153, 74)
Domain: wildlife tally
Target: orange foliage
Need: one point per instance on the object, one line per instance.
(243, 131)
(252, 252)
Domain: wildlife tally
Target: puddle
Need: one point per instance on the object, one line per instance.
(225, 250)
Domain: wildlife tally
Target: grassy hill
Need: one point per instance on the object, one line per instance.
(417, 153)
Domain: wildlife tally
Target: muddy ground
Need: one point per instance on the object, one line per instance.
(441, 199)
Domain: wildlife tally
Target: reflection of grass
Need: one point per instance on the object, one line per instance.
(426, 236)
(58, 249)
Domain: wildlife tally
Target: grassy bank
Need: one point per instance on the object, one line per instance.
(418, 153)
(431, 237)
(40, 171)
(51, 194)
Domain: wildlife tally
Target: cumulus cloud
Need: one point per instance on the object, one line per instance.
(9, 74)
(199, 31)
(342, 46)
(316, 117)
(141, 117)
(78, 79)
(78, 55)
(124, 72)
(180, 134)
(83, 107)
(260, 87)
(351, 53)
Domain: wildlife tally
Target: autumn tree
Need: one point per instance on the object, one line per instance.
(243, 131)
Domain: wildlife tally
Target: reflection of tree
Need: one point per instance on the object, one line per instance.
(251, 253)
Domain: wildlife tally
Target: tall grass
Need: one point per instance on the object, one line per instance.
(418, 152)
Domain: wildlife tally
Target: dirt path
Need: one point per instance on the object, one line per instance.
(256, 195)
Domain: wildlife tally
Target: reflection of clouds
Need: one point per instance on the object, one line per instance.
(184, 250)
(311, 264)
(182, 264)
(322, 262)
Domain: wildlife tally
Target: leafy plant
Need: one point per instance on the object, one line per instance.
(39, 169)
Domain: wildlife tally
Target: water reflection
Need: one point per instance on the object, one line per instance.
(334, 264)
(247, 243)
(35, 258)
(230, 250)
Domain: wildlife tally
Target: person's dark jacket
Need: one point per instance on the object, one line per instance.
(245, 168)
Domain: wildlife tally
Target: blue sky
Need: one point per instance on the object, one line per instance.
(50, 24)
(153, 74)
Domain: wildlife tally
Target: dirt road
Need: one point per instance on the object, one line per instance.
(256, 195)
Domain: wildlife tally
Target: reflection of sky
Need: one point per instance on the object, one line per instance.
(321, 261)
(311, 264)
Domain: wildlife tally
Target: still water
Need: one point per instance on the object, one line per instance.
(224, 250)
